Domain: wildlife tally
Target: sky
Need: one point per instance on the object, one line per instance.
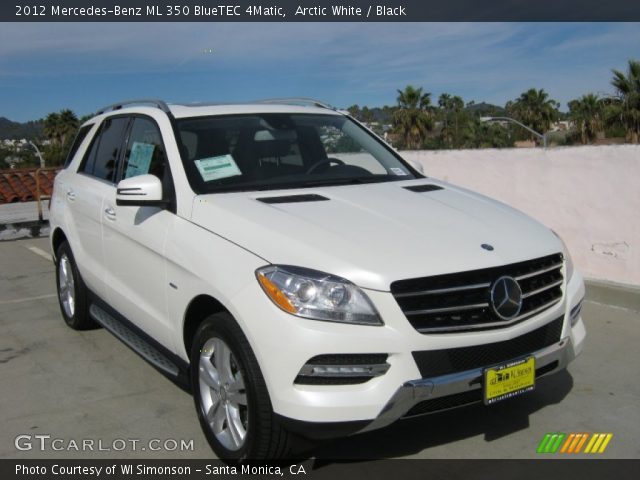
(46, 67)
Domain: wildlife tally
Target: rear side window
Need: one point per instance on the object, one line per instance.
(145, 151)
(102, 159)
(81, 135)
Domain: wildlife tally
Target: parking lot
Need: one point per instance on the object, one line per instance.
(87, 385)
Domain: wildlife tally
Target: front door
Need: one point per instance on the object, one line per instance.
(134, 238)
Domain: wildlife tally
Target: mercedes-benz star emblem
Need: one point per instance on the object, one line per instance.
(506, 298)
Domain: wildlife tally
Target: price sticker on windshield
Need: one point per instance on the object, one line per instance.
(215, 168)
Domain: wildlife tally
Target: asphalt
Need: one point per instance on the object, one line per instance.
(77, 386)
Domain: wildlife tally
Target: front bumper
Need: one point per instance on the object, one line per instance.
(284, 343)
(548, 360)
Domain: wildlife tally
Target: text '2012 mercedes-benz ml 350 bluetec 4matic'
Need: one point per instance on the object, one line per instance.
(304, 281)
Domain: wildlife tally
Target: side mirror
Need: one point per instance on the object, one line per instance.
(416, 165)
(140, 191)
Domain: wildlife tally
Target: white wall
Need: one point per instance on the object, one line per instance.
(589, 195)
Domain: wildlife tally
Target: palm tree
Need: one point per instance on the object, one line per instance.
(535, 109)
(457, 105)
(68, 125)
(444, 102)
(587, 113)
(413, 118)
(52, 127)
(59, 127)
(628, 105)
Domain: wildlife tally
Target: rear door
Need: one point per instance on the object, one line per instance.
(134, 237)
(85, 195)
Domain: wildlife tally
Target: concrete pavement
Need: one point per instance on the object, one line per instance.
(87, 385)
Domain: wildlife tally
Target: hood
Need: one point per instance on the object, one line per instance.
(374, 234)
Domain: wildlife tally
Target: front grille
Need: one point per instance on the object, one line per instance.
(460, 302)
(433, 363)
(461, 399)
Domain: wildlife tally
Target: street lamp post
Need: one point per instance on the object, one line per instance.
(541, 136)
(38, 153)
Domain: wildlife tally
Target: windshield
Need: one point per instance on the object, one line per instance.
(274, 151)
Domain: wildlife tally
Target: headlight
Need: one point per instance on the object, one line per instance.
(316, 295)
(567, 257)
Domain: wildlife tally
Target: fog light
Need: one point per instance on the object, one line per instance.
(342, 369)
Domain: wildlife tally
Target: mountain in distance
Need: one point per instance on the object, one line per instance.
(17, 130)
(484, 109)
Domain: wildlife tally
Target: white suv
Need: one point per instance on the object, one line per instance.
(298, 276)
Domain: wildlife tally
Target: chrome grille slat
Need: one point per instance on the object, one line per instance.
(542, 289)
(462, 301)
(447, 309)
(502, 323)
(444, 290)
(539, 272)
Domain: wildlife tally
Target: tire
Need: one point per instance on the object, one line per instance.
(233, 404)
(72, 292)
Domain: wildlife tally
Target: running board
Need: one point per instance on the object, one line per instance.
(134, 341)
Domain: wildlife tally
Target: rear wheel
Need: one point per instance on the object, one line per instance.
(72, 293)
(230, 395)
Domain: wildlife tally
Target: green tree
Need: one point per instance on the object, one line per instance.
(60, 128)
(535, 109)
(459, 117)
(68, 126)
(455, 120)
(587, 114)
(492, 135)
(444, 102)
(366, 115)
(413, 118)
(627, 106)
(354, 111)
(52, 127)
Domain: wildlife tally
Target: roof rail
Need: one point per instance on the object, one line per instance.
(143, 101)
(303, 101)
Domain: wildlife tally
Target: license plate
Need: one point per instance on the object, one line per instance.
(508, 380)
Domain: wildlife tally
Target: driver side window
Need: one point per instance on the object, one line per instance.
(145, 152)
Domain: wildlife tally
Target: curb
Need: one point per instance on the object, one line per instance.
(614, 294)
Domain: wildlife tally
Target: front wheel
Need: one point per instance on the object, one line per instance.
(230, 395)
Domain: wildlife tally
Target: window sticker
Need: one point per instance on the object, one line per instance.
(398, 171)
(215, 168)
(139, 159)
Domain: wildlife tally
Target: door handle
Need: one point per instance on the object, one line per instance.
(71, 195)
(110, 213)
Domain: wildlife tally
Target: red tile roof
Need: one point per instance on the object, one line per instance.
(19, 185)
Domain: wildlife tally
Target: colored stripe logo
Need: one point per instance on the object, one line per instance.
(573, 443)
